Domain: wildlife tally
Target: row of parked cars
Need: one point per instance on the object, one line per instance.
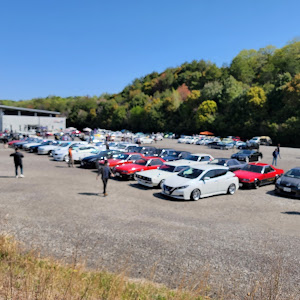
(179, 174)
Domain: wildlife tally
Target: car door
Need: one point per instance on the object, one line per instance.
(154, 164)
(269, 175)
(210, 183)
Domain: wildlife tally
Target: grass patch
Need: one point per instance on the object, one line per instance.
(25, 275)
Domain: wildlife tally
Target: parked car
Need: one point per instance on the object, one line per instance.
(61, 153)
(145, 150)
(200, 181)
(247, 155)
(47, 149)
(289, 183)
(262, 140)
(231, 164)
(146, 163)
(257, 174)
(220, 145)
(176, 155)
(161, 152)
(155, 178)
(125, 158)
(35, 148)
(248, 146)
(81, 152)
(27, 146)
(197, 157)
(183, 139)
(91, 162)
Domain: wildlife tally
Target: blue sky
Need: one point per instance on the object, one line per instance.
(73, 48)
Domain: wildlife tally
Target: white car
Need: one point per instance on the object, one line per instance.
(196, 158)
(47, 149)
(191, 140)
(144, 140)
(200, 181)
(81, 152)
(183, 139)
(155, 178)
(61, 153)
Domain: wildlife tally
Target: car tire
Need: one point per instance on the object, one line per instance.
(50, 153)
(256, 183)
(195, 195)
(231, 189)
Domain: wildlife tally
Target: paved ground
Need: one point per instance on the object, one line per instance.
(238, 238)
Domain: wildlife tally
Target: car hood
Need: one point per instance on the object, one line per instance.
(155, 173)
(131, 167)
(289, 180)
(247, 174)
(92, 157)
(176, 181)
(47, 147)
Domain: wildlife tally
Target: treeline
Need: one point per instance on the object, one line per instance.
(257, 94)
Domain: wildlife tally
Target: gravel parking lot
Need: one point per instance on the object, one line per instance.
(237, 238)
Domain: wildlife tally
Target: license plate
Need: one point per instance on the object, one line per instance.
(117, 174)
(287, 189)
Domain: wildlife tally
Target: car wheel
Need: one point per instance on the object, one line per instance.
(50, 153)
(195, 195)
(231, 189)
(256, 184)
(161, 183)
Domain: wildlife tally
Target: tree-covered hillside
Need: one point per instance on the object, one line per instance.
(258, 94)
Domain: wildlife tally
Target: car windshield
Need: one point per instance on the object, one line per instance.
(167, 168)
(95, 151)
(123, 156)
(293, 173)
(218, 161)
(64, 144)
(190, 173)
(192, 157)
(253, 168)
(141, 162)
(245, 152)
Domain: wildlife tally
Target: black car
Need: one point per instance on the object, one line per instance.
(91, 162)
(176, 155)
(249, 146)
(247, 155)
(232, 164)
(289, 183)
(219, 145)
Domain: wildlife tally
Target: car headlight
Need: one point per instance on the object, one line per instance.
(181, 187)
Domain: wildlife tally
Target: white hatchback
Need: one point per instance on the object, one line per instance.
(200, 181)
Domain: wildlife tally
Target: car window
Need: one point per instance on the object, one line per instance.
(166, 168)
(268, 169)
(210, 174)
(135, 157)
(220, 172)
(180, 168)
(205, 158)
(155, 162)
(190, 173)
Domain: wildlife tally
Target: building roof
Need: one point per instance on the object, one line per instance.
(29, 109)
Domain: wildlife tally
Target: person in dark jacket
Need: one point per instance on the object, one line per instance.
(105, 173)
(18, 162)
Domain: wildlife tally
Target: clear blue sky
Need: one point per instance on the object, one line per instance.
(88, 47)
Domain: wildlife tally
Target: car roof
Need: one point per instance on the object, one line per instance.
(259, 164)
(175, 163)
(201, 154)
(207, 167)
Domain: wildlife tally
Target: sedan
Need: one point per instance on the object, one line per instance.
(200, 181)
(91, 162)
(257, 174)
(232, 164)
(289, 183)
(247, 155)
(125, 158)
(146, 163)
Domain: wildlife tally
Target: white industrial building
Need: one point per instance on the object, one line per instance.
(19, 119)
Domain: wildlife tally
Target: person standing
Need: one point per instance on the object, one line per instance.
(18, 162)
(105, 173)
(278, 150)
(275, 155)
(70, 162)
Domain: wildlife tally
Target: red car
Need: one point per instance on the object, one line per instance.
(257, 174)
(124, 158)
(143, 164)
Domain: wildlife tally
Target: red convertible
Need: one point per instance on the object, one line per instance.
(124, 158)
(257, 174)
(146, 163)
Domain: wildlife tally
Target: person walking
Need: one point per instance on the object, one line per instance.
(18, 162)
(278, 150)
(70, 162)
(105, 172)
(275, 155)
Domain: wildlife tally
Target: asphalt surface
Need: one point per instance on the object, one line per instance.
(235, 239)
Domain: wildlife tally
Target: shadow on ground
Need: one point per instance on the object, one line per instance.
(296, 213)
(89, 194)
(7, 176)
